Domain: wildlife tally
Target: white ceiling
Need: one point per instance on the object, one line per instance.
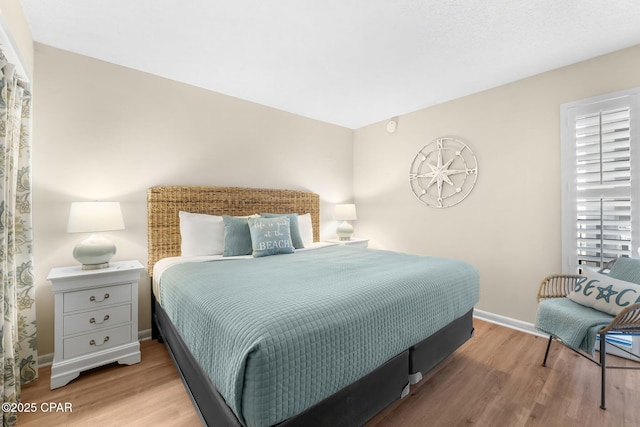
(348, 62)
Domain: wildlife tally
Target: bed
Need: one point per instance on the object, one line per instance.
(325, 335)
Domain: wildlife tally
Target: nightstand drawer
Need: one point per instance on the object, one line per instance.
(97, 297)
(96, 341)
(96, 319)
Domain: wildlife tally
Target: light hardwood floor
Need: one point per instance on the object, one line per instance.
(495, 379)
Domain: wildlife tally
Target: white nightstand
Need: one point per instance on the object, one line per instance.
(96, 318)
(355, 241)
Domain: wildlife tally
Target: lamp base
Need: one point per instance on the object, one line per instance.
(94, 252)
(344, 230)
(95, 266)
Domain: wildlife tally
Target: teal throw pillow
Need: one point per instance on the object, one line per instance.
(270, 236)
(604, 293)
(296, 237)
(627, 269)
(237, 238)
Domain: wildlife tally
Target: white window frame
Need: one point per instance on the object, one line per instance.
(570, 194)
(568, 113)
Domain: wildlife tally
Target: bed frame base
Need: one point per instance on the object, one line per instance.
(353, 405)
(358, 402)
(425, 355)
(207, 401)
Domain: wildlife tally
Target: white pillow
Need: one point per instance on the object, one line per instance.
(306, 229)
(604, 293)
(201, 234)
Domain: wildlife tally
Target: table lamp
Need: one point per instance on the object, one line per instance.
(95, 251)
(344, 213)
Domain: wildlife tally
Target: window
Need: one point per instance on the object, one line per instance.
(601, 185)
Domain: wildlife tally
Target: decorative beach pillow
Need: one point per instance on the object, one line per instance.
(604, 293)
(294, 227)
(201, 234)
(237, 238)
(270, 236)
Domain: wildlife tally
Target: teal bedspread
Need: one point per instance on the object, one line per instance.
(278, 334)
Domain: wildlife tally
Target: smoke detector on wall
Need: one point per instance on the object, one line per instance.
(392, 125)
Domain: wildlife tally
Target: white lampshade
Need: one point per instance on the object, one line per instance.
(346, 212)
(89, 217)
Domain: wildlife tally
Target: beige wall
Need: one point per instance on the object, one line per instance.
(106, 132)
(509, 227)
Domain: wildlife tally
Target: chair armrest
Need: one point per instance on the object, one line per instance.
(628, 320)
(557, 285)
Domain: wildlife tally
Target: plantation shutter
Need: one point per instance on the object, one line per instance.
(600, 197)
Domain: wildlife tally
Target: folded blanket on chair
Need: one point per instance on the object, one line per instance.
(573, 324)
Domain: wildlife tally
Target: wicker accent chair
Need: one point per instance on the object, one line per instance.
(627, 322)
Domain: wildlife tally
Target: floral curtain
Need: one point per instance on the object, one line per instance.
(18, 351)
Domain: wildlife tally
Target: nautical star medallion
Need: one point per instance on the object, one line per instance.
(443, 172)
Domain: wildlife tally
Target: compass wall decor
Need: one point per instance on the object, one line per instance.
(443, 172)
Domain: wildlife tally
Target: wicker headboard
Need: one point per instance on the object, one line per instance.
(164, 203)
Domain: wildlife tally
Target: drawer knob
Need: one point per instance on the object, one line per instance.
(93, 342)
(93, 319)
(93, 298)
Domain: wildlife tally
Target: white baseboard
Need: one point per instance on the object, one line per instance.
(144, 335)
(508, 322)
(47, 359)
